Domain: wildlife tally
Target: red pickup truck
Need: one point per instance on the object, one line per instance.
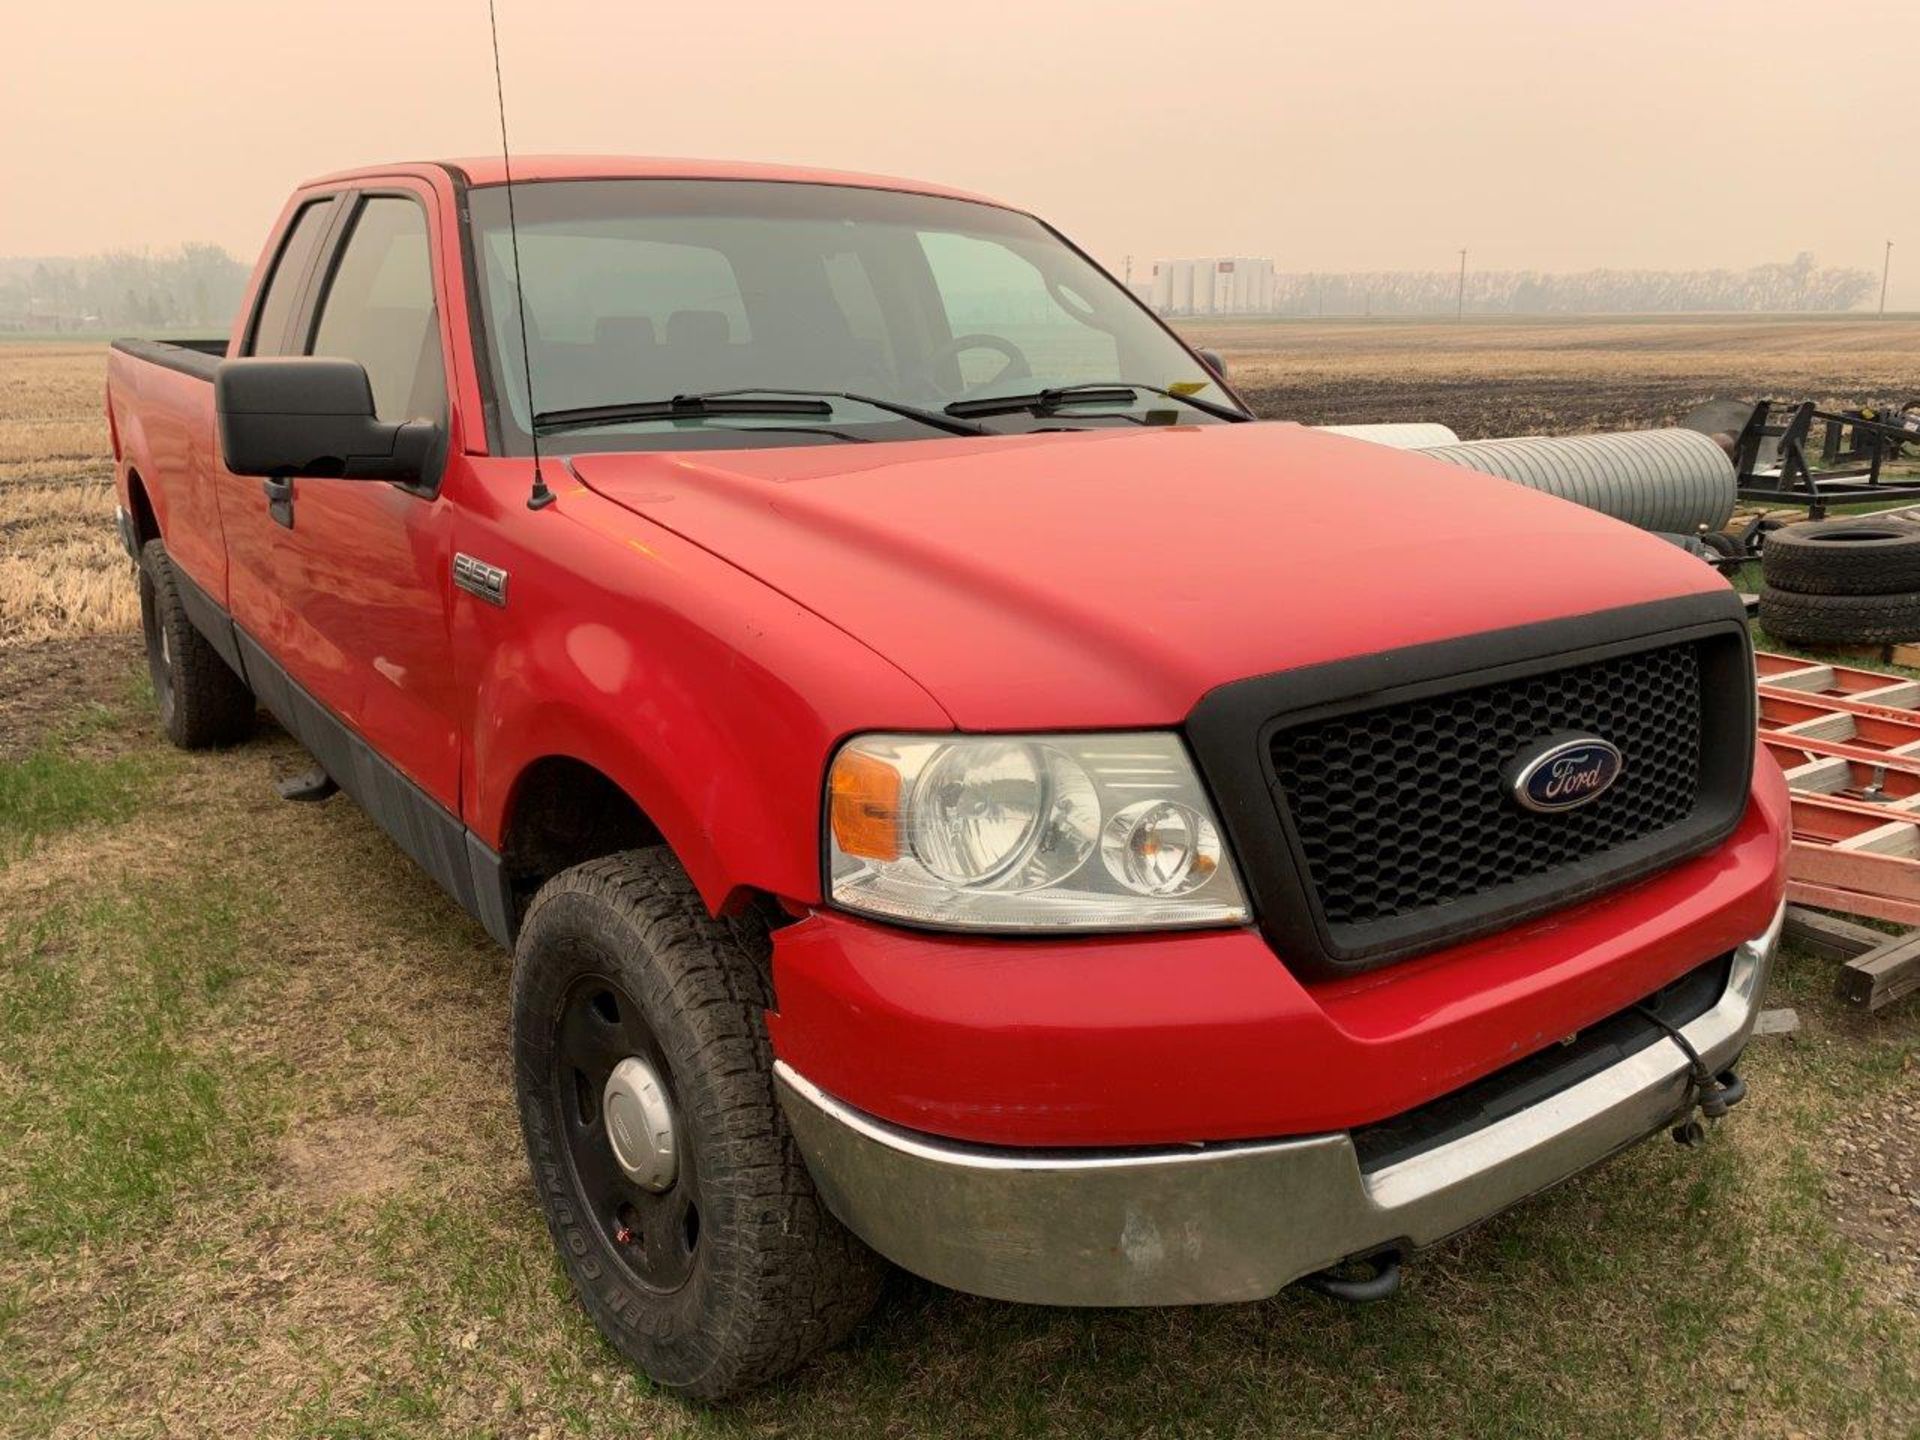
(956, 790)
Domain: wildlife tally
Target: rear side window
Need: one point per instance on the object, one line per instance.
(275, 311)
(379, 310)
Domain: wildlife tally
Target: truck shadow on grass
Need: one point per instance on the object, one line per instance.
(263, 1176)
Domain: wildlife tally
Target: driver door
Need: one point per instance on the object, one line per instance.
(357, 613)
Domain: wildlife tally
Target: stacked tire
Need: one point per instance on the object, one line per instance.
(1842, 582)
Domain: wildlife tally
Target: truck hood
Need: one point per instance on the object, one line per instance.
(1112, 577)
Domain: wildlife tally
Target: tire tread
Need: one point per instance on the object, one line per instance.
(801, 1280)
(1839, 619)
(211, 705)
(1809, 558)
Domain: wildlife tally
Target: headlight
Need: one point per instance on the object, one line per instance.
(1027, 832)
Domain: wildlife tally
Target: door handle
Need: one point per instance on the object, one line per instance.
(279, 492)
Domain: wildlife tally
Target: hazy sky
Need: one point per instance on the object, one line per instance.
(1548, 134)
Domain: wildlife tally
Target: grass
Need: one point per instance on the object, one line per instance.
(49, 792)
(263, 1177)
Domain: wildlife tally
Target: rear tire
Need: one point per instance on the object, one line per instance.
(724, 1269)
(1839, 619)
(202, 702)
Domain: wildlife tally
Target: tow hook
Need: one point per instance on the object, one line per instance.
(1360, 1281)
(1712, 1101)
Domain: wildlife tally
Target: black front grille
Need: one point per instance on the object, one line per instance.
(1406, 807)
(1366, 802)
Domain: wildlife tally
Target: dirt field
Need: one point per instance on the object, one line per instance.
(59, 564)
(259, 1171)
(1553, 376)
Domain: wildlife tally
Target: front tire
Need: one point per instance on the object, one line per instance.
(202, 702)
(698, 1246)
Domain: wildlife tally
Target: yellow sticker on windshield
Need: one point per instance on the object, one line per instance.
(1187, 387)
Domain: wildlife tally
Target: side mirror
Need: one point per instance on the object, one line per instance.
(308, 416)
(1213, 362)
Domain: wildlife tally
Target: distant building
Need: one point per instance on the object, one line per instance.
(1214, 285)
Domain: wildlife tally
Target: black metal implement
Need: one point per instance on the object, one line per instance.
(1771, 455)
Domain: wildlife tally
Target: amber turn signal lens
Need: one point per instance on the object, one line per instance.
(864, 806)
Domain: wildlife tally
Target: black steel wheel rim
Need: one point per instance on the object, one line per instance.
(654, 1236)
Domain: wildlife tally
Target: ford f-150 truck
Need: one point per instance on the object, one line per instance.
(956, 789)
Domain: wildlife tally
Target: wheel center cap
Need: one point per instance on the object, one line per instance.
(640, 1124)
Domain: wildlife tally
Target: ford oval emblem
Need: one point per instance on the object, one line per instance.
(1563, 772)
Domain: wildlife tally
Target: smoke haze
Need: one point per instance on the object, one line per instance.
(1543, 137)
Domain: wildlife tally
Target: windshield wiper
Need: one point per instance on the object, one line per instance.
(745, 400)
(1091, 392)
(680, 407)
(948, 422)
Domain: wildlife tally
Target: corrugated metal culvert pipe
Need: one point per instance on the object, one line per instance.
(1671, 481)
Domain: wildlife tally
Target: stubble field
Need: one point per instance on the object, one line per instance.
(1553, 376)
(259, 1172)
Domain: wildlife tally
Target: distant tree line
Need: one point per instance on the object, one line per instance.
(1798, 284)
(199, 286)
(195, 286)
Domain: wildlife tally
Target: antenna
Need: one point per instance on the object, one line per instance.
(540, 497)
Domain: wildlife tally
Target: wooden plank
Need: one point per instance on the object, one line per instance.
(1896, 705)
(1871, 726)
(1895, 837)
(1907, 655)
(1831, 819)
(1813, 745)
(1887, 876)
(1894, 695)
(1777, 1022)
(1853, 902)
(1889, 791)
(1880, 977)
(1792, 750)
(1833, 725)
(1825, 775)
(1835, 819)
(1829, 936)
(1840, 682)
(1793, 674)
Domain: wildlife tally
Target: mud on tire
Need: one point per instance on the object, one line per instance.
(1864, 556)
(202, 702)
(1839, 619)
(734, 1272)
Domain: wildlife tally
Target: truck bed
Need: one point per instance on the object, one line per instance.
(191, 357)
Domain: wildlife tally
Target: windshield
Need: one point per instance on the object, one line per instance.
(641, 290)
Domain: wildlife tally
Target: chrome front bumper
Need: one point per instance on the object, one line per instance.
(1225, 1222)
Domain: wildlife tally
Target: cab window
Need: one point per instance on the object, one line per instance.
(274, 313)
(379, 310)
